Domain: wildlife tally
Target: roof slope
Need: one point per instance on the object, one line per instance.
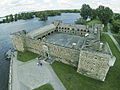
(39, 31)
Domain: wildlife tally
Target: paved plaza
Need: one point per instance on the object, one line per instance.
(28, 75)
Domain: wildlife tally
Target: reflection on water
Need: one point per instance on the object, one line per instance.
(29, 25)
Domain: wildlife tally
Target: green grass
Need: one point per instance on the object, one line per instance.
(94, 22)
(105, 29)
(26, 56)
(117, 38)
(45, 87)
(74, 81)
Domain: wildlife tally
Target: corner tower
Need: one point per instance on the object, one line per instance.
(18, 40)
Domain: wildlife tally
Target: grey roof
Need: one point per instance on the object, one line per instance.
(72, 26)
(39, 31)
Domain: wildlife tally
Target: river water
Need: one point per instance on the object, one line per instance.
(28, 25)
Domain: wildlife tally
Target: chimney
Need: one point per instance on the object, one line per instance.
(101, 46)
(73, 45)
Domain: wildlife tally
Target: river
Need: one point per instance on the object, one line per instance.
(5, 42)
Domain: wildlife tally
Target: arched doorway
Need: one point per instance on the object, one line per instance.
(45, 51)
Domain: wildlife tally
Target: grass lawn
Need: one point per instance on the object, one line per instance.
(74, 81)
(94, 22)
(26, 56)
(105, 29)
(45, 87)
(117, 38)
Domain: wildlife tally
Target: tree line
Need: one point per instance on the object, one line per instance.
(43, 15)
(115, 22)
(102, 13)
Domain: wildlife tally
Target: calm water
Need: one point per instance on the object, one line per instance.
(28, 25)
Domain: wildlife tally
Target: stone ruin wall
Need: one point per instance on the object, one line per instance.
(93, 65)
(18, 42)
(63, 54)
(73, 31)
(88, 64)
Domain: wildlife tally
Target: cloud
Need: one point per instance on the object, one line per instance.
(15, 6)
(47, 1)
(63, 1)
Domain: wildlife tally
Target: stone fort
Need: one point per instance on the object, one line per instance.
(76, 45)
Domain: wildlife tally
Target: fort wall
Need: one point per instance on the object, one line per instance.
(91, 60)
(59, 53)
(18, 42)
(93, 65)
(73, 31)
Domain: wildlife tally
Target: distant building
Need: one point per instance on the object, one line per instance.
(76, 45)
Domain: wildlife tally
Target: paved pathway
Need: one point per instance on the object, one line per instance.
(111, 36)
(28, 75)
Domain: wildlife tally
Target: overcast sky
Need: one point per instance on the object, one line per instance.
(15, 6)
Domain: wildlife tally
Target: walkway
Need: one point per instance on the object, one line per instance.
(28, 75)
(111, 36)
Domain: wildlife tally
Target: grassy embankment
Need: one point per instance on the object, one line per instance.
(94, 22)
(105, 29)
(74, 81)
(45, 87)
(26, 56)
(117, 38)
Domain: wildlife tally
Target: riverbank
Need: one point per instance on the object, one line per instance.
(42, 15)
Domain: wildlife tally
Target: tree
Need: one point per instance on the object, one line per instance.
(104, 14)
(116, 26)
(7, 19)
(93, 14)
(3, 21)
(85, 11)
(11, 18)
(116, 16)
(19, 16)
(16, 17)
(80, 21)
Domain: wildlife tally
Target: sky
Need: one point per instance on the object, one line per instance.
(15, 6)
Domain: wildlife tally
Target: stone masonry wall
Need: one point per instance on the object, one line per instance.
(65, 55)
(18, 42)
(93, 65)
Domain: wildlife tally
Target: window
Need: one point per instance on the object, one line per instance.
(95, 57)
(93, 63)
(56, 30)
(73, 29)
(77, 29)
(52, 31)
